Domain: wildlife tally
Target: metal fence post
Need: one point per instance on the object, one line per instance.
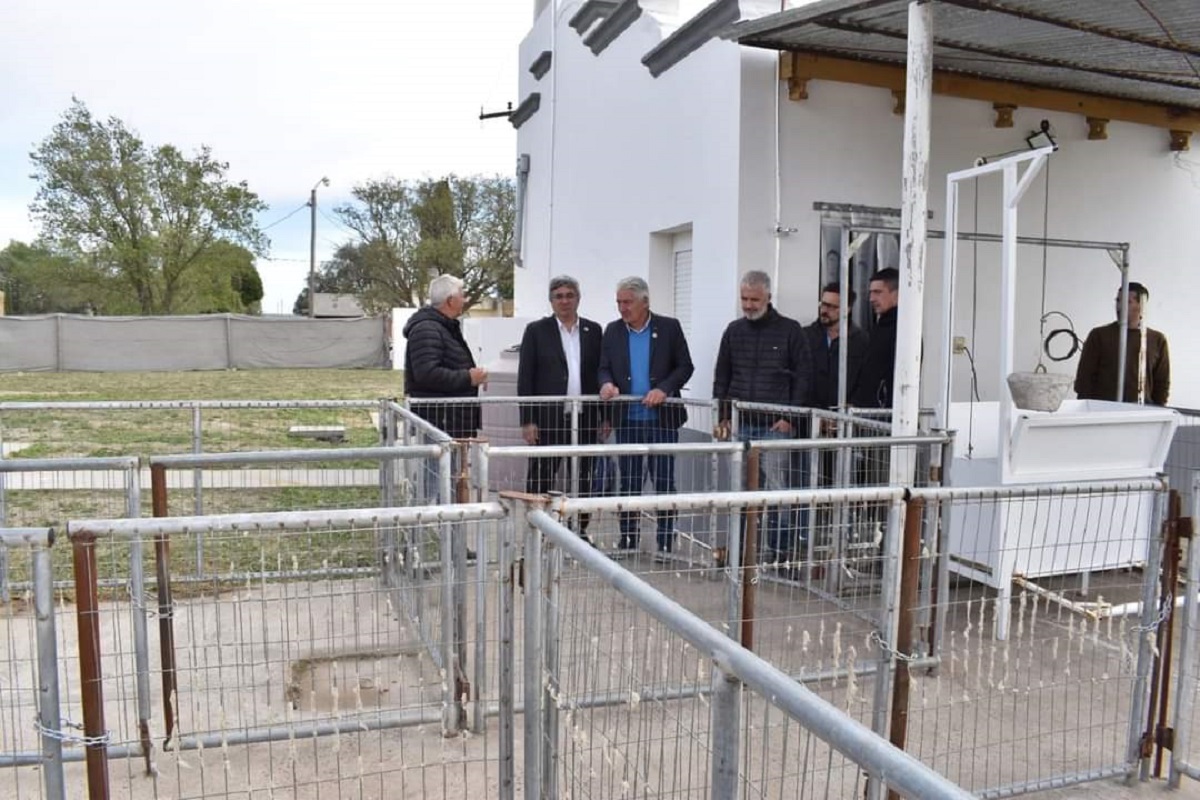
(553, 560)
(451, 716)
(49, 710)
(940, 537)
(726, 743)
(137, 609)
(532, 657)
(749, 562)
(458, 541)
(911, 568)
(166, 618)
(506, 688)
(87, 615)
(1146, 628)
(1188, 674)
(893, 543)
(197, 474)
(481, 598)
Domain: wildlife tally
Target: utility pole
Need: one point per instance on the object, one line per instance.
(312, 247)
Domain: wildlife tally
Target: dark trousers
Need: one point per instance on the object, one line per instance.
(662, 472)
(541, 472)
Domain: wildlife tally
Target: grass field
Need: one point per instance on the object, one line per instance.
(53, 433)
(143, 432)
(265, 384)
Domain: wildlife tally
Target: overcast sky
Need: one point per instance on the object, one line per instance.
(286, 92)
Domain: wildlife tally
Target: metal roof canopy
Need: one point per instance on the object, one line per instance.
(1143, 52)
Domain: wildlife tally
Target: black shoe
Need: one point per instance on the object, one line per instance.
(583, 535)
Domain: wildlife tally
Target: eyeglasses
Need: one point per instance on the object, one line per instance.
(563, 296)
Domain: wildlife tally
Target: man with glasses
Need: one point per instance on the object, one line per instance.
(560, 356)
(822, 336)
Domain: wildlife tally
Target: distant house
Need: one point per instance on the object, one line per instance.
(337, 306)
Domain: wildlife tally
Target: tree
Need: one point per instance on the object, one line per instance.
(149, 215)
(224, 281)
(409, 231)
(37, 281)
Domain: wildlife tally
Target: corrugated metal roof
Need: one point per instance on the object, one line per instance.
(1146, 50)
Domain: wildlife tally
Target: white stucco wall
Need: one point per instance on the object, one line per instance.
(633, 155)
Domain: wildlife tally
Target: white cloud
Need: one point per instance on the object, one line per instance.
(287, 92)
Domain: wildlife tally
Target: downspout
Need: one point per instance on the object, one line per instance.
(556, 59)
(780, 230)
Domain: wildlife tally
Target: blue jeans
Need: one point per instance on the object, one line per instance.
(779, 469)
(662, 472)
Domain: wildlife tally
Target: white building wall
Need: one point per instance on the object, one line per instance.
(843, 144)
(637, 163)
(637, 159)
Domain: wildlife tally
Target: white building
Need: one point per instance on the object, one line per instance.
(713, 167)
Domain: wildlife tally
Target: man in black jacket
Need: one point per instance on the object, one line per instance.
(823, 343)
(764, 358)
(438, 363)
(645, 356)
(560, 356)
(873, 385)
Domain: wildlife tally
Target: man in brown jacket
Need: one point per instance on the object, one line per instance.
(1096, 378)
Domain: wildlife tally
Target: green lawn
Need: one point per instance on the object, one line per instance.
(264, 384)
(57, 433)
(143, 432)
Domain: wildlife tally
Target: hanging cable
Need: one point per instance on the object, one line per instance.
(1047, 339)
(1068, 331)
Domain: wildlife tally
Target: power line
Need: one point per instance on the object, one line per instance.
(335, 220)
(287, 216)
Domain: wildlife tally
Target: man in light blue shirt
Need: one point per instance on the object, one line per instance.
(645, 355)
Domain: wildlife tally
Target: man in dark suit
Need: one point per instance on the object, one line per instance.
(646, 356)
(560, 356)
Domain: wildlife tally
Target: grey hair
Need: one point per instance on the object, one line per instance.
(442, 288)
(636, 285)
(559, 281)
(757, 277)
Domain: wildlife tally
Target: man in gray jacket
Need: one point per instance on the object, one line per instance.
(764, 358)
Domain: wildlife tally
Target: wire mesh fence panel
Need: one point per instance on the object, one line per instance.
(632, 702)
(31, 710)
(1183, 459)
(302, 664)
(1041, 624)
(46, 493)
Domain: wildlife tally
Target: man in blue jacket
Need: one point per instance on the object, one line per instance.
(645, 355)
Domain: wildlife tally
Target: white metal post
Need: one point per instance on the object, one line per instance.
(906, 382)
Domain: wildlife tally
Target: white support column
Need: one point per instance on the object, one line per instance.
(1008, 294)
(906, 382)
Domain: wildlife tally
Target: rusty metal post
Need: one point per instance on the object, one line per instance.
(910, 577)
(166, 617)
(1175, 530)
(750, 553)
(87, 615)
(458, 533)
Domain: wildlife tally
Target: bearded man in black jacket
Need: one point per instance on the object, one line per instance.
(764, 358)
